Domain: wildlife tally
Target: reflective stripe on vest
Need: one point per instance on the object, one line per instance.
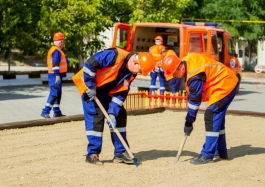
(220, 80)
(109, 74)
(63, 63)
(121, 87)
(104, 76)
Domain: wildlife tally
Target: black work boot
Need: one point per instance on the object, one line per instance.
(222, 156)
(58, 115)
(45, 116)
(201, 160)
(225, 156)
(123, 158)
(94, 159)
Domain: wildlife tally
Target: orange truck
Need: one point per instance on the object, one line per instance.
(203, 38)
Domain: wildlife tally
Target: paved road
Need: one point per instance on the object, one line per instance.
(251, 97)
(23, 103)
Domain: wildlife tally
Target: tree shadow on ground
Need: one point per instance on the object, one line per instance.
(243, 150)
(245, 92)
(233, 153)
(156, 154)
(13, 96)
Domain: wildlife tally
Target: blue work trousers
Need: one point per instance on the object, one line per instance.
(54, 97)
(94, 125)
(162, 80)
(215, 126)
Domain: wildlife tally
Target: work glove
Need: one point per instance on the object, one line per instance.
(68, 60)
(91, 92)
(188, 127)
(58, 79)
(113, 119)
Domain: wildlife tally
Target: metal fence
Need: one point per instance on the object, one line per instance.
(143, 100)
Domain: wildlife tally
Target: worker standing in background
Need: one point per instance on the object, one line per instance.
(108, 75)
(206, 80)
(57, 69)
(156, 52)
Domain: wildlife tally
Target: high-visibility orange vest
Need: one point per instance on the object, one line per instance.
(105, 75)
(62, 64)
(169, 52)
(156, 51)
(220, 80)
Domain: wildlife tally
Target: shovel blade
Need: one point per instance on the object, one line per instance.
(135, 162)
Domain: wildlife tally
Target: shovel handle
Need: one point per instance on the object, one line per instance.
(112, 125)
(181, 147)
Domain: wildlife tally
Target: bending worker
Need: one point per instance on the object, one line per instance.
(108, 75)
(174, 83)
(156, 52)
(57, 68)
(206, 80)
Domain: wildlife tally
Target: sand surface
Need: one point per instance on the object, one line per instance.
(53, 155)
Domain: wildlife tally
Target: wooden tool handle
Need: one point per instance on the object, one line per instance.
(181, 147)
(112, 125)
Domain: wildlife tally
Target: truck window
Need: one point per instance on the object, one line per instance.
(231, 49)
(214, 44)
(196, 42)
(205, 37)
(121, 38)
(173, 43)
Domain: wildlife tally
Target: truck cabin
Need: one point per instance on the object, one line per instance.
(205, 38)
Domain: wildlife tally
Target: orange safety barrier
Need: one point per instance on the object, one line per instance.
(143, 99)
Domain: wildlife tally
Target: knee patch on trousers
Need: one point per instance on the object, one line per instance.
(122, 118)
(208, 118)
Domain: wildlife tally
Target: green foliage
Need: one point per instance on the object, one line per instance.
(18, 21)
(169, 11)
(29, 25)
(237, 10)
(122, 44)
(80, 21)
(118, 10)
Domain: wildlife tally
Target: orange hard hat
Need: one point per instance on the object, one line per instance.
(169, 65)
(58, 36)
(159, 38)
(146, 62)
(169, 52)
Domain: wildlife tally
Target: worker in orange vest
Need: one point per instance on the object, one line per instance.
(156, 52)
(57, 67)
(108, 75)
(210, 81)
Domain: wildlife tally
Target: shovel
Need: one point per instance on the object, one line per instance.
(135, 162)
(181, 147)
(116, 131)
